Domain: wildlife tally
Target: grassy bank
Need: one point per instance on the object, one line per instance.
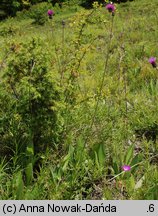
(79, 100)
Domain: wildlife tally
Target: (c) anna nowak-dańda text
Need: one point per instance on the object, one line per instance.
(67, 208)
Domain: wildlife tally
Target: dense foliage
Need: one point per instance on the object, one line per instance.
(10, 7)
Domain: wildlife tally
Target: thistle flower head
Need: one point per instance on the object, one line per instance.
(110, 7)
(152, 61)
(126, 168)
(50, 13)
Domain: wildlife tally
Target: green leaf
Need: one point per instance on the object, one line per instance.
(80, 147)
(115, 168)
(29, 173)
(56, 174)
(135, 160)
(101, 154)
(80, 144)
(96, 159)
(131, 182)
(29, 150)
(18, 184)
(129, 155)
(68, 158)
(139, 183)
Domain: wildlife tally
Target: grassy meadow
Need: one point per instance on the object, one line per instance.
(78, 101)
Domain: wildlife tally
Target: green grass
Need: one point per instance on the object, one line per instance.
(101, 127)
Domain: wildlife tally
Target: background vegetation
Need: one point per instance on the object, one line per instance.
(78, 100)
(10, 7)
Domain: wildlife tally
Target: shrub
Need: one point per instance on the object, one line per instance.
(10, 7)
(28, 98)
(8, 30)
(38, 12)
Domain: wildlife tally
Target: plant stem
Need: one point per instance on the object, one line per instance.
(131, 168)
(103, 77)
(63, 52)
(126, 107)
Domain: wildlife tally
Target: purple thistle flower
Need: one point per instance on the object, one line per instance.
(50, 13)
(126, 168)
(152, 61)
(110, 7)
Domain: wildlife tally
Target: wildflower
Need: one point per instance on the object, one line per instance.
(152, 61)
(50, 13)
(110, 7)
(126, 168)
